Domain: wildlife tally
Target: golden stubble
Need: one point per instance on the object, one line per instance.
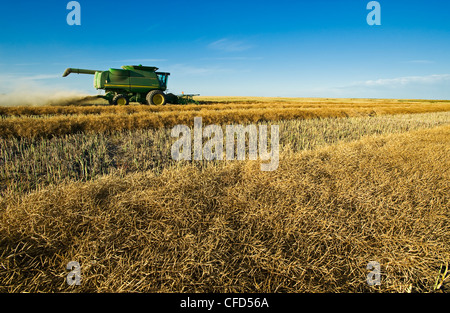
(310, 226)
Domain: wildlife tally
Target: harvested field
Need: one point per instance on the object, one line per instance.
(311, 226)
(372, 184)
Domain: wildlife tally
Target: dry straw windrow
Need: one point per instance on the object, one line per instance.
(311, 226)
(229, 103)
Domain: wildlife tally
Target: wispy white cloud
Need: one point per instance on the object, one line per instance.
(228, 45)
(403, 81)
(408, 87)
(143, 60)
(235, 58)
(420, 62)
(183, 69)
(12, 78)
(26, 64)
(41, 76)
(151, 28)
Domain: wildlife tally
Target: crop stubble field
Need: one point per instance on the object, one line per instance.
(359, 180)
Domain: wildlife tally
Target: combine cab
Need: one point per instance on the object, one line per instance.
(131, 83)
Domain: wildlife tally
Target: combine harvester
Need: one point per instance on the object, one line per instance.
(134, 83)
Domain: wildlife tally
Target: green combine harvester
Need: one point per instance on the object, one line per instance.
(133, 83)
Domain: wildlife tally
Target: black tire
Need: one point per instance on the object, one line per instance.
(120, 100)
(156, 97)
(171, 98)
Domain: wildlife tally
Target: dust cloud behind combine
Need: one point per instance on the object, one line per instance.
(41, 98)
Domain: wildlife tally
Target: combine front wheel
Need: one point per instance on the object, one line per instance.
(120, 100)
(156, 97)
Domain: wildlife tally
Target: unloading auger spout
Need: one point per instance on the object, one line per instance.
(78, 71)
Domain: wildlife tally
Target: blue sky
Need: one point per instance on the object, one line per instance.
(234, 48)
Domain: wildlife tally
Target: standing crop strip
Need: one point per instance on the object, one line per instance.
(30, 122)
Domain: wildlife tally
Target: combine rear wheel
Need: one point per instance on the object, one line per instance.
(156, 97)
(120, 100)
